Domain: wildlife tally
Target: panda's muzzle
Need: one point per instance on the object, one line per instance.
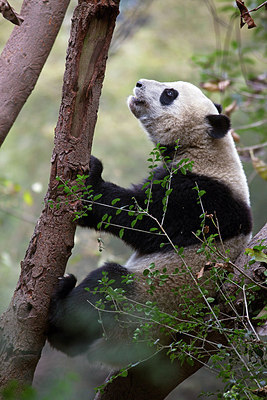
(138, 101)
(136, 105)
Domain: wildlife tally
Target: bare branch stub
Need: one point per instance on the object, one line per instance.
(245, 17)
(9, 13)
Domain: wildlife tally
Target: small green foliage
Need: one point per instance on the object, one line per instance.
(240, 362)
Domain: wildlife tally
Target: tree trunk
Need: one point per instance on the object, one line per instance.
(25, 54)
(23, 325)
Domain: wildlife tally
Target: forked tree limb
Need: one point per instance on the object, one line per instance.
(25, 54)
(22, 326)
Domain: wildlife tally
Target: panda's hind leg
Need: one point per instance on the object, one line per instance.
(73, 321)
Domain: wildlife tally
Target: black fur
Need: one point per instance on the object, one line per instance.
(73, 320)
(168, 150)
(219, 107)
(219, 125)
(182, 215)
(168, 96)
(65, 285)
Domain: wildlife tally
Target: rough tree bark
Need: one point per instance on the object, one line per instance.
(25, 54)
(22, 326)
(137, 386)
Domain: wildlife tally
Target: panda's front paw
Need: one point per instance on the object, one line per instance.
(95, 171)
(65, 285)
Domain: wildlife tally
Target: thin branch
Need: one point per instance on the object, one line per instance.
(247, 313)
(253, 125)
(25, 218)
(231, 263)
(257, 8)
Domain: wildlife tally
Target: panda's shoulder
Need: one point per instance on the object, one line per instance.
(188, 184)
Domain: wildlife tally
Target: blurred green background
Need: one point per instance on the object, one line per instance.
(197, 41)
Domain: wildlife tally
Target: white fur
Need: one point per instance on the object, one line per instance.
(171, 261)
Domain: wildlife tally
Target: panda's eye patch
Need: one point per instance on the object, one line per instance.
(168, 96)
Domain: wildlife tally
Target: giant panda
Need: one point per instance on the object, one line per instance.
(185, 125)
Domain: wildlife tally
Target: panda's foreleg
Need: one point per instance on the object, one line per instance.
(118, 210)
(75, 318)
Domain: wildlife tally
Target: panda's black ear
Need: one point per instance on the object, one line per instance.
(219, 125)
(219, 107)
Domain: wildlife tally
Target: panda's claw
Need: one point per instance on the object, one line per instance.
(65, 284)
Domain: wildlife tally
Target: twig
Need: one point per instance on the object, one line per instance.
(253, 125)
(24, 218)
(256, 8)
(247, 314)
(231, 263)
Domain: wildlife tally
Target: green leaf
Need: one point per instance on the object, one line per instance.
(115, 201)
(133, 223)
(180, 251)
(145, 185)
(201, 193)
(210, 299)
(97, 197)
(121, 233)
(190, 361)
(146, 272)
(124, 373)
(257, 255)
(168, 192)
(27, 198)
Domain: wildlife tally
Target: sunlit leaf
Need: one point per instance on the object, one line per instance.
(27, 198)
(258, 255)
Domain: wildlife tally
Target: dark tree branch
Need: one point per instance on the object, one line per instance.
(23, 325)
(25, 54)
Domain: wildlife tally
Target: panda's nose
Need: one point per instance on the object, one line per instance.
(139, 84)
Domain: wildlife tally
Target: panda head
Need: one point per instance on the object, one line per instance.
(177, 111)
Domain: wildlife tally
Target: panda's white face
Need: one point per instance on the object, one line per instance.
(178, 112)
(172, 110)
